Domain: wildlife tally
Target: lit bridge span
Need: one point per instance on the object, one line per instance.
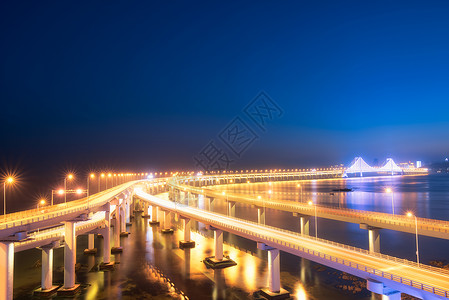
(58, 225)
(370, 220)
(385, 274)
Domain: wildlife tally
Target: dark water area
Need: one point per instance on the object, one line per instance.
(153, 267)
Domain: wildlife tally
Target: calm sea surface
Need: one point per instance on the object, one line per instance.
(153, 267)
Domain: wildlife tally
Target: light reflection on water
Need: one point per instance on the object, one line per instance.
(152, 262)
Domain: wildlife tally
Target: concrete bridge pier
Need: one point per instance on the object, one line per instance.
(379, 288)
(145, 209)
(154, 215)
(123, 217)
(304, 225)
(186, 243)
(166, 226)
(117, 249)
(6, 269)
(90, 245)
(261, 215)
(69, 260)
(274, 290)
(128, 211)
(106, 233)
(209, 203)
(373, 237)
(231, 208)
(218, 241)
(218, 261)
(47, 286)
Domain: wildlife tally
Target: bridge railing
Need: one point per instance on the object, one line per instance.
(49, 212)
(387, 275)
(58, 232)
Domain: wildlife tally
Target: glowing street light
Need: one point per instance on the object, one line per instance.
(41, 202)
(69, 177)
(316, 224)
(59, 192)
(91, 176)
(9, 180)
(109, 175)
(390, 191)
(410, 214)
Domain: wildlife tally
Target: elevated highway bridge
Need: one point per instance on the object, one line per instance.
(59, 225)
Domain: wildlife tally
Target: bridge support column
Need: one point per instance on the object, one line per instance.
(274, 290)
(166, 228)
(261, 215)
(90, 244)
(304, 224)
(210, 203)
(123, 217)
(69, 260)
(154, 215)
(186, 243)
(6, 270)
(106, 233)
(218, 261)
(91, 241)
(145, 209)
(117, 231)
(231, 208)
(374, 240)
(373, 237)
(379, 288)
(47, 286)
(47, 268)
(128, 211)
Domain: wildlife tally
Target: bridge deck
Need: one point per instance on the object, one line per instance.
(427, 227)
(353, 260)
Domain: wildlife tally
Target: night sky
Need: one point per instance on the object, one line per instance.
(146, 86)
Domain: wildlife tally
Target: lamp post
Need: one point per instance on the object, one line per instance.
(59, 192)
(410, 214)
(70, 177)
(390, 191)
(316, 224)
(99, 184)
(109, 175)
(41, 202)
(8, 180)
(91, 176)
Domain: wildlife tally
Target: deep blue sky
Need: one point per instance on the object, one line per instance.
(147, 85)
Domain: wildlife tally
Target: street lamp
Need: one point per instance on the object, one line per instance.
(91, 176)
(69, 177)
(410, 214)
(99, 185)
(109, 175)
(41, 203)
(59, 192)
(9, 180)
(390, 191)
(316, 224)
